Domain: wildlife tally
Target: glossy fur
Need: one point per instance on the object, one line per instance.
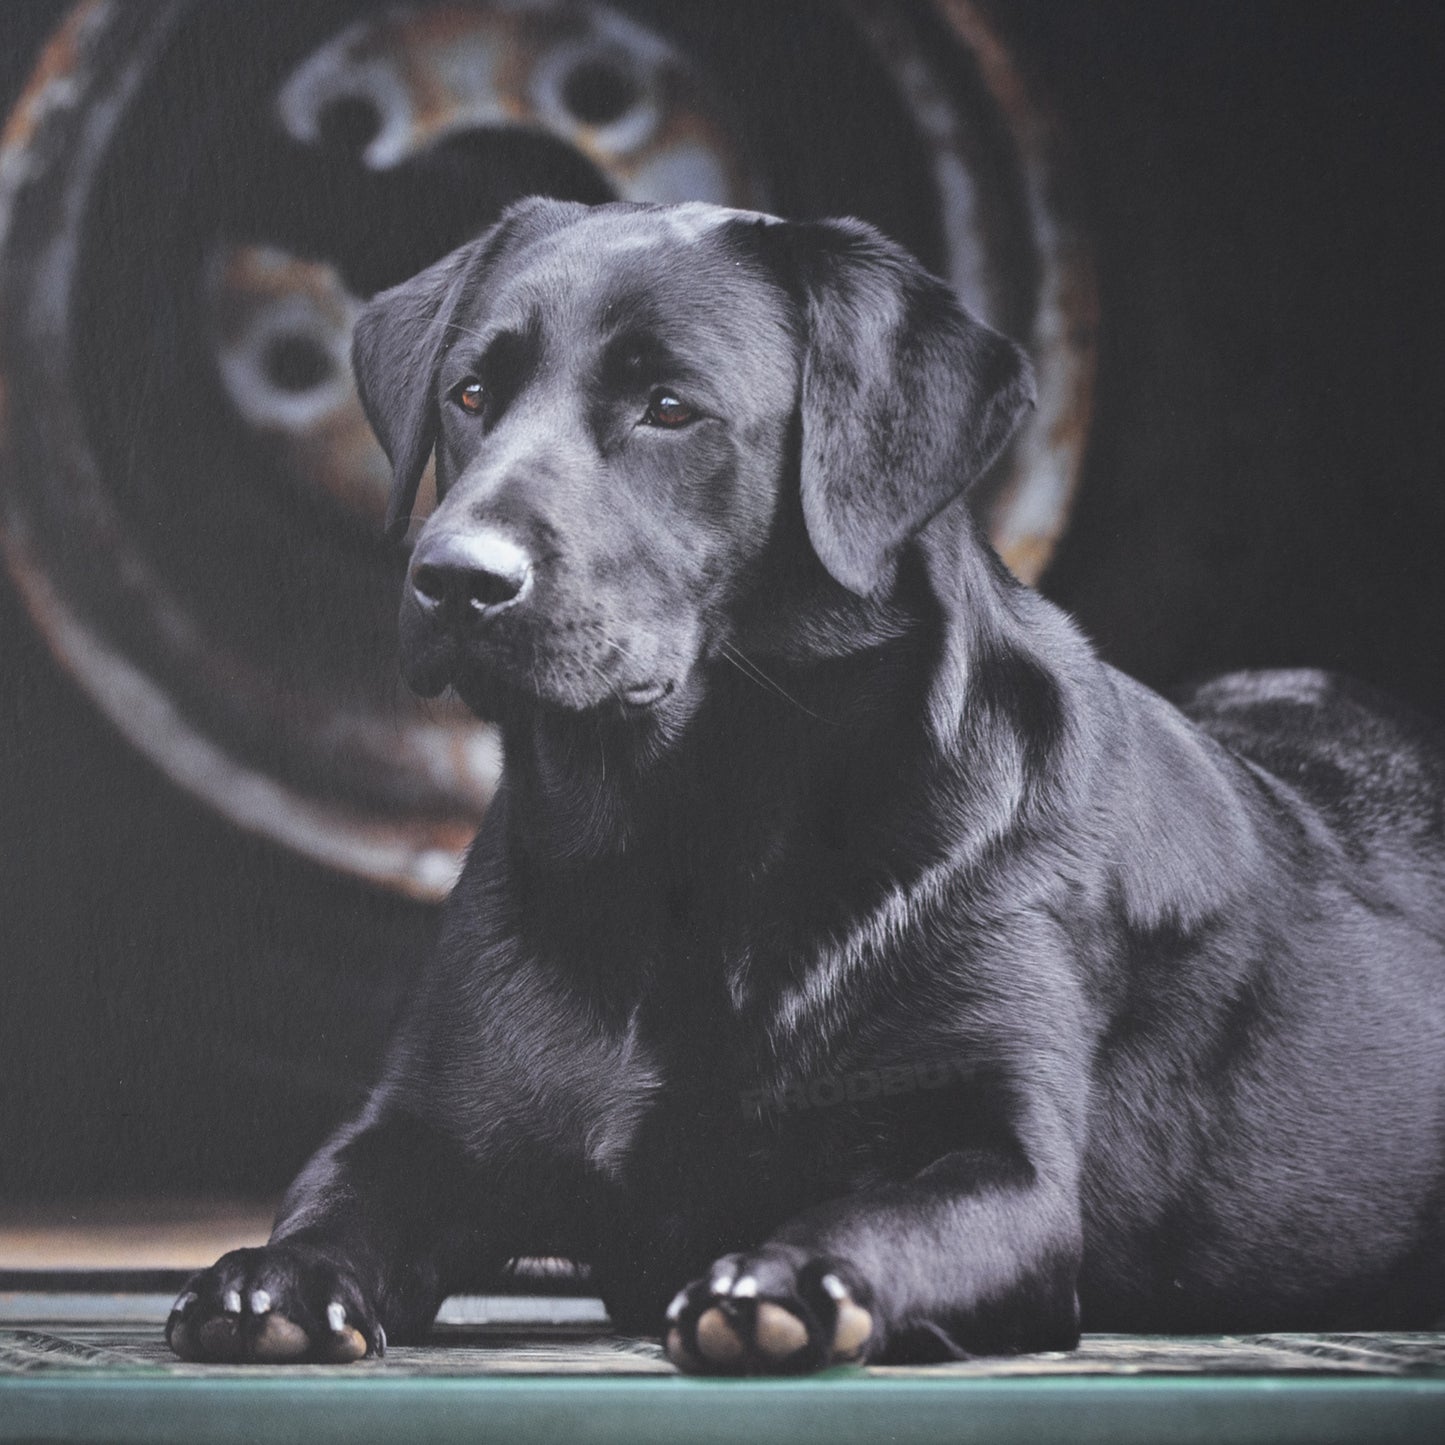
(840, 910)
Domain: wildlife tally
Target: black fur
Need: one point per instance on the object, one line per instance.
(840, 912)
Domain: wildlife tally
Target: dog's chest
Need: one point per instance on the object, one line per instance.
(705, 1171)
(741, 1083)
(720, 1127)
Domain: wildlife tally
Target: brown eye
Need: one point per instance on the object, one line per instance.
(667, 410)
(471, 396)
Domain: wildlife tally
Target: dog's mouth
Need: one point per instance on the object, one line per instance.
(483, 690)
(643, 696)
(509, 668)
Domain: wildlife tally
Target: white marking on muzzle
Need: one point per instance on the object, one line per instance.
(495, 552)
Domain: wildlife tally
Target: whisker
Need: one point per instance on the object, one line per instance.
(596, 671)
(749, 670)
(752, 671)
(465, 330)
(617, 646)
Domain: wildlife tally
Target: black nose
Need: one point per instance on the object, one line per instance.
(469, 572)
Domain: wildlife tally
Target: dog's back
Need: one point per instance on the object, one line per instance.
(1371, 770)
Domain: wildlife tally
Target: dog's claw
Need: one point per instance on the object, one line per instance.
(346, 1343)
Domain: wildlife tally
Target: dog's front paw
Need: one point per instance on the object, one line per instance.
(280, 1304)
(777, 1311)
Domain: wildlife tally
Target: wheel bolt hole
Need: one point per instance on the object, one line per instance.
(296, 363)
(349, 122)
(598, 92)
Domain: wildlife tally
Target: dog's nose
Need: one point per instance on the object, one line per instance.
(470, 572)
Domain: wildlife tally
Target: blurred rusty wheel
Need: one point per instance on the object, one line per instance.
(194, 200)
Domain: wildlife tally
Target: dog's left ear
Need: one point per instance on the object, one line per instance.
(906, 398)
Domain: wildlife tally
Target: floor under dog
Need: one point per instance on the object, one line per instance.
(84, 1292)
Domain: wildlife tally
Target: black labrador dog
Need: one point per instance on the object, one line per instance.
(849, 957)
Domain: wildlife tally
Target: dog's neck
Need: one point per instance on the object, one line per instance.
(599, 788)
(811, 768)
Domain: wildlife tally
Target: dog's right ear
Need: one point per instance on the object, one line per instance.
(395, 351)
(402, 335)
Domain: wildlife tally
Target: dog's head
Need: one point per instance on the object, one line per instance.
(626, 405)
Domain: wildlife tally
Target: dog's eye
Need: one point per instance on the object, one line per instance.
(471, 396)
(667, 410)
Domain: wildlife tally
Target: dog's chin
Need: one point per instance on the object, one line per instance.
(428, 672)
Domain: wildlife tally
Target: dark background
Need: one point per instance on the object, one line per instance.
(187, 1009)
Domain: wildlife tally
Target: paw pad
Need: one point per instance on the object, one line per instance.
(277, 1339)
(777, 1332)
(766, 1320)
(717, 1340)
